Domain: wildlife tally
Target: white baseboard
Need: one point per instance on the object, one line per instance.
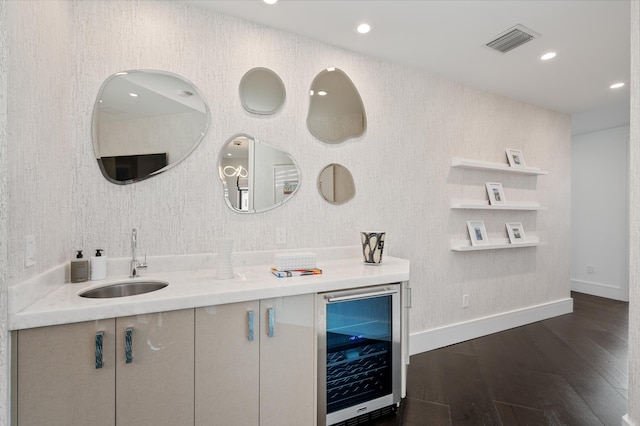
(600, 290)
(448, 335)
(626, 421)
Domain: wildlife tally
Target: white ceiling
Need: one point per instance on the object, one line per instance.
(447, 38)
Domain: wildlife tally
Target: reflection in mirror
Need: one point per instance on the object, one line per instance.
(256, 176)
(262, 91)
(336, 185)
(145, 122)
(336, 111)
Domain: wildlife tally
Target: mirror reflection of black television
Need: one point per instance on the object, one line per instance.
(123, 168)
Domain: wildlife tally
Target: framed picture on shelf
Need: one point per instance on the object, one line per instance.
(496, 193)
(477, 233)
(515, 232)
(515, 157)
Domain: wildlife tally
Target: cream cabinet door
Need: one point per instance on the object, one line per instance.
(155, 369)
(288, 361)
(255, 363)
(62, 379)
(227, 365)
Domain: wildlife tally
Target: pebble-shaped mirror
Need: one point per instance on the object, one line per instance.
(335, 184)
(145, 122)
(336, 111)
(262, 91)
(256, 176)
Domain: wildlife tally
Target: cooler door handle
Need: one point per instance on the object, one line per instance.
(330, 298)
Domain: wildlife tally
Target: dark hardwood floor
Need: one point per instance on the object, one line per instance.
(568, 370)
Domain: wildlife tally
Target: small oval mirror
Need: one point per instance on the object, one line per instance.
(145, 122)
(262, 91)
(336, 184)
(256, 176)
(336, 111)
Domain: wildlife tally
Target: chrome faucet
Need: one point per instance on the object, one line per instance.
(135, 263)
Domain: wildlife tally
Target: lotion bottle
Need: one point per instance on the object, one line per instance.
(98, 266)
(79, 269)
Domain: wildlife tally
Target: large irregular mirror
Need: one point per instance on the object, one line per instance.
(335, 184)
(336, 111)
(262, 91)
(256, 176)
(145, 122)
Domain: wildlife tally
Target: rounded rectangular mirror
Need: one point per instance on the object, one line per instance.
(262, 91)
(145, 122)
(256, 176)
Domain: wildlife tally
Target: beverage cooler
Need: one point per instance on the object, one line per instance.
(359, 354)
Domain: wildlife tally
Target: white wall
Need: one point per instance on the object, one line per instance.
(599, 213)
(633, 416)
(416, 123)
(4, 344)
(36, 135)
(606, 117)
(40, 134)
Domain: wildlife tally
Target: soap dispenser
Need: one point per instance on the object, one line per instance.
(98, 266)
(79, 268)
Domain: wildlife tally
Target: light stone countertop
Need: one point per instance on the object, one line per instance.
(193, 288)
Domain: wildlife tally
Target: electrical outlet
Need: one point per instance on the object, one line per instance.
(590, 269)
(465, 300)
(281, 235)
(29, 250)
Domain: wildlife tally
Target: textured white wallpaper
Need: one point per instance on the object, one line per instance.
(634, 220)
(35, 143)
(39, 134)
(4, 346)
(416, 123)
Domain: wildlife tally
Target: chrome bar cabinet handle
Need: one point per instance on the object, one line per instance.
(250, 317)
(272, 321)
(128, 346)
(98, 341)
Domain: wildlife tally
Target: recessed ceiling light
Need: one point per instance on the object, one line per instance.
(364, 28)
(331, 69)
(616, 85)
(133, 95)
(322, 93)
(548, 55)
(270, 1)
(122, 73)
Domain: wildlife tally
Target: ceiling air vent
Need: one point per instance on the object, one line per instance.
(512, 38)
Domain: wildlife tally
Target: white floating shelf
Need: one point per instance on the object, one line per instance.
(498, 243)
(484, 205)
(500, 167)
